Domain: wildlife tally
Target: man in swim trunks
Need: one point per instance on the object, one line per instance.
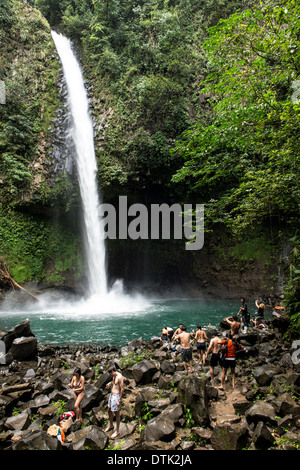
(214, 348)
(200, 343)
(114, 401)
(186, 348)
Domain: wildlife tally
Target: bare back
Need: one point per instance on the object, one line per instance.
(215, 345)
(201, 336)
(185, 340)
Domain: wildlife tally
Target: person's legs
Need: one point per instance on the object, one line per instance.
(224, 372)
(233, 376)
(110, 422)
(77, 407)
(117, 430)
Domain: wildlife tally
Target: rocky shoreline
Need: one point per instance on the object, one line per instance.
(163, 407)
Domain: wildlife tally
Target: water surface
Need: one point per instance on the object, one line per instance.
(89, 322)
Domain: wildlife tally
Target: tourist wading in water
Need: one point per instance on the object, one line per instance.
(77, 385)
(114, 401)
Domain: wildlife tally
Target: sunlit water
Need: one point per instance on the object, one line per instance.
(92, 321)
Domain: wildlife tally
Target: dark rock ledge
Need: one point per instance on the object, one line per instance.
(163, 407)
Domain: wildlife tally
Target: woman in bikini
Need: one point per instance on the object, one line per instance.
(77, 385)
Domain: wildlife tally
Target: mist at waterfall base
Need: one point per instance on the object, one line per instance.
(62, 322)
(105, 316)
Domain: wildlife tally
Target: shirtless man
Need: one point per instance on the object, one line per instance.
(114, 401)
(186, 349)
(201, 346)
(234, 325)
(179, 330)
(214, 348)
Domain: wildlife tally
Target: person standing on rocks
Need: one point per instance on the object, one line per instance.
(201, 345)
(228, 360)
(114, 401)
(234, 325)
(78, 387)
(186, 348)
(244, 313)
(214, 348)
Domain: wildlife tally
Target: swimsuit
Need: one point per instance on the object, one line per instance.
(201, 345)
(113, 400)
(186, 354)
(215, 359)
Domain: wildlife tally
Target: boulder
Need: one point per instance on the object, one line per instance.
(167, 367)
(91, 438)
(262, 436)
(37, 440)
(38, 402)
(24, 348)
(192, 394)
(20, 330)
(142, 397)
(229, 436)
(285, 405)
(172, 413)
(261, 411)
(158, 429)
(19, 422)
(144, 371)
(264, 374)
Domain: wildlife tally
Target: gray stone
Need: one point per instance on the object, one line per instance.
(262, 436)
(158, 429)
(229, 436)
(24, 348)
(144, 371)
(192, 394)
(91, 438)
(261, 411)
(37, 440)
(19, 422)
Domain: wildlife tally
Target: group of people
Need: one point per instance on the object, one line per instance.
(216, 346)
(223, 351)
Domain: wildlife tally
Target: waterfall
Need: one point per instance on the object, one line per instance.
(82, 133)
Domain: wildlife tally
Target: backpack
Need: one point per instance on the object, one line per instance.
(223, 350)
(237, 346)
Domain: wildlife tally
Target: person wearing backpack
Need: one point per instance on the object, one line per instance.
(228, 350)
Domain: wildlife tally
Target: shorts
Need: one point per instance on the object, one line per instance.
(228, 363)
(201, 346)
(112, 402)
(215, 360)
(186, 354)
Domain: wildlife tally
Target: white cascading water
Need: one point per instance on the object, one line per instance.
(101, 301)
(82, 133)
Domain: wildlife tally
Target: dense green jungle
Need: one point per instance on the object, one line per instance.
(193, 101)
